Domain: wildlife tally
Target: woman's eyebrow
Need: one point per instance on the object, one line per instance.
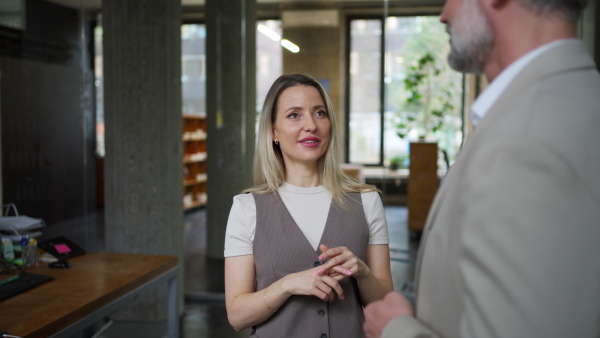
(292, 108)
(299, 108)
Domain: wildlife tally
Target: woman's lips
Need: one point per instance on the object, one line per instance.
(310, 141)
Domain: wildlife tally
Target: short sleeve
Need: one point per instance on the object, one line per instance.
(241, 226)
(373, 207)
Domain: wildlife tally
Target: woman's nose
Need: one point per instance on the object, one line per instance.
(309, 124)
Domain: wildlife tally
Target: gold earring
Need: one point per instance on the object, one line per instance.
(276, 142)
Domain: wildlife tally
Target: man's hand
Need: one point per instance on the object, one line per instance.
(378, 314)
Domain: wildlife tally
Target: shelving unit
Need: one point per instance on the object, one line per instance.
(194, 161)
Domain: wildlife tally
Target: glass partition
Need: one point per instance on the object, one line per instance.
(193, 69)
(365, 91)
(268, 58)
(47, 114)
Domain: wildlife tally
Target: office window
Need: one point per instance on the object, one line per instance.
(99, 84)
(365, 91)
(193, 69)
(378, 107)
(268, 58)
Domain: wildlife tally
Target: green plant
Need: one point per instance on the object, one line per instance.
(428, 101)
(397, 162)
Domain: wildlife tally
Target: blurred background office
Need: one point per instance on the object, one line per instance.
(128, 125)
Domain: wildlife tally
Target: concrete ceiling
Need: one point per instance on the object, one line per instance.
(97, 4)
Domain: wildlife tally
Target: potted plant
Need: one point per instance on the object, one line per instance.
(429, 99)
(397, 162)
(427, 105)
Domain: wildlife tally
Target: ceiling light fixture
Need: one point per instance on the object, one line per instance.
(268, 32)
(287, 44)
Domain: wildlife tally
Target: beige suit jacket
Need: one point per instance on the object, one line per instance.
(512, 242)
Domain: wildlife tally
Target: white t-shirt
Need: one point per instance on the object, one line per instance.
(241, 225)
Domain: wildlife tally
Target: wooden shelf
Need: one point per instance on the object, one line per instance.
(194, 205)
(194, 117)
(194, 161)
(189, 158)
(188, 183)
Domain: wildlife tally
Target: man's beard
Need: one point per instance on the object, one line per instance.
(472, 38)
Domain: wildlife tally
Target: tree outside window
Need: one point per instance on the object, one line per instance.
(416, 78)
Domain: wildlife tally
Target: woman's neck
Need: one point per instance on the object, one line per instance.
(304, 177)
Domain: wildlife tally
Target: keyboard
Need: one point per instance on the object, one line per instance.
(21, 283)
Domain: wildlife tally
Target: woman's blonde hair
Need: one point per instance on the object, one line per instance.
(269, 167)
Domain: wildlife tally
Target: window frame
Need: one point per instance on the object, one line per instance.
(382, 91)
(348, 37)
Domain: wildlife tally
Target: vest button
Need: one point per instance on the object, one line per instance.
(323, 335)
(317, 263)
(321, 313)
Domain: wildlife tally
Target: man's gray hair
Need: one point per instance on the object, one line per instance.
(571, 9)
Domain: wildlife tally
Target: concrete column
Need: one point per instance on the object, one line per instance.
(231, 112)
(143, 164)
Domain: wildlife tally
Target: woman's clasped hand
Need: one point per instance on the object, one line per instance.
(342, 263)
(314, 282)
(322, 281)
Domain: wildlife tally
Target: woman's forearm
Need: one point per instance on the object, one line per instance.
(249, 309)
(372, 288)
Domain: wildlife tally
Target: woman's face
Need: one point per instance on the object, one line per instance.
(302, 125)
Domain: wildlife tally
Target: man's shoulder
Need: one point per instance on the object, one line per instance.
(562, 99)
(567, 101)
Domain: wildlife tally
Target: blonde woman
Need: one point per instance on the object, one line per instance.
(307, 247)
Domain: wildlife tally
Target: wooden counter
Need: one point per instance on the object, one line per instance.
(95, 285)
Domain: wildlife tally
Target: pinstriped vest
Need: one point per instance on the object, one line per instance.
(280, 248)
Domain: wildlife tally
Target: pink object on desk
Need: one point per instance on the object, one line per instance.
(62, 248)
